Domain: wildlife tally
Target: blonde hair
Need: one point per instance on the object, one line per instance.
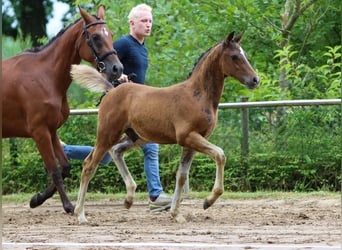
(133, 14)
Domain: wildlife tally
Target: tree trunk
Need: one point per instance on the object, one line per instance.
(32, 19)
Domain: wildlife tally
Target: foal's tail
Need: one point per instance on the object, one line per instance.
(90, 78)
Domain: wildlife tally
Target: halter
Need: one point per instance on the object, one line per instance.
(101, 66)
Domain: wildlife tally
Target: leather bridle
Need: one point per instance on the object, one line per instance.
(101, 66)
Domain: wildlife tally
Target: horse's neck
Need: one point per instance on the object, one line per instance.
(62, 53)
(209, 79)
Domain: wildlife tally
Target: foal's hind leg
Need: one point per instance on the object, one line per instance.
(181, 178)
(117, 154)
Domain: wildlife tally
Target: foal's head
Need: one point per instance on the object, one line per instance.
(96, 45)
(235, 63)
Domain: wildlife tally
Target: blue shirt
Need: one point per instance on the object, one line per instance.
(134, 57)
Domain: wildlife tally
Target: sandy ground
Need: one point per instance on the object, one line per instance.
(298, 223)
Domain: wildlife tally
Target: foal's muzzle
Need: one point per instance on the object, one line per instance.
(253, 83)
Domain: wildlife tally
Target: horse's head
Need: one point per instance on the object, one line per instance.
(235, 63)
(97, 45)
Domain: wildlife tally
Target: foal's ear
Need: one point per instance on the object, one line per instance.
(238, 38)
(229, 38)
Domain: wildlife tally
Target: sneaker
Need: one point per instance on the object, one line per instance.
(163, 202)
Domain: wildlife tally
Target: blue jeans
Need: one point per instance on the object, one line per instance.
(151, 163)
(151, 168)
(81, 152)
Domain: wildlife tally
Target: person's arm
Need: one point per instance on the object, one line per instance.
(122, 50)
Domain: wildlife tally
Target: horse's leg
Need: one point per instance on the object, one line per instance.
(46, 150)
(117, 154)
(39, 199)
(89, 167)
(181, 178)
(61, 157)
(197, 142)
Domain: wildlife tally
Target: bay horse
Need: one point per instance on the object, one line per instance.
(183, 114)
(34, 91)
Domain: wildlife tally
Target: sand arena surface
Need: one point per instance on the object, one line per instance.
(298, 223)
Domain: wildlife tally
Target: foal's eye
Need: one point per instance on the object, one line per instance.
(234, 57)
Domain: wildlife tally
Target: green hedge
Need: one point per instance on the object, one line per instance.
(301, 154)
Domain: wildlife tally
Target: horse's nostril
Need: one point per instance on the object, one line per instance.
(117, 70)
(256, 80)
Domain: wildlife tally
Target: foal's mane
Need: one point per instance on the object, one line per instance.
(202, 56)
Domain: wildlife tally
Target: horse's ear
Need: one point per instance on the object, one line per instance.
(84, 15)
(101, 12)
(238, 38)
(229, 38)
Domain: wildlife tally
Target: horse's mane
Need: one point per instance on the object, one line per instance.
(200, 59)
(60, 33)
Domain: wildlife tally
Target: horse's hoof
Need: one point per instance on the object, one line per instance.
(70, 209)
(36, 201)
(82, 219)
(83, 222)
(206, 204)
(127, 204)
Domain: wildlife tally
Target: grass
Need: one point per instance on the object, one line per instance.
(25, 197)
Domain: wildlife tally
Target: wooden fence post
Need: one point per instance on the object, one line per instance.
(244, 127)
(244, 143)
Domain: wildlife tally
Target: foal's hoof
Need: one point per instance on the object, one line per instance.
(36, 200)
(180, 219)
(127, 204)
(206, 204)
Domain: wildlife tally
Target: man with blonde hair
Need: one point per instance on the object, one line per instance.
(134, 56)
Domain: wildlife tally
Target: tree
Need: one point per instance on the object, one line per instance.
(30, 17)
(293, 10)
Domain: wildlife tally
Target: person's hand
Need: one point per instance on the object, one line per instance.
(123, 78)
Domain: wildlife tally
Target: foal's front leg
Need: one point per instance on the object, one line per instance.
(89, 167)
(198, 143)
(181, 178)
(117, 154)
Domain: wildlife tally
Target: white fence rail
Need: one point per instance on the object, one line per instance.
(237, 105)
(244, 115)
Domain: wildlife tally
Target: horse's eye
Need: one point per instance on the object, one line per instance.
(97, 40)
(234, 57)
(95, 37)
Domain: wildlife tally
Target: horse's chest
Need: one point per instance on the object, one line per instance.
(207, 120)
